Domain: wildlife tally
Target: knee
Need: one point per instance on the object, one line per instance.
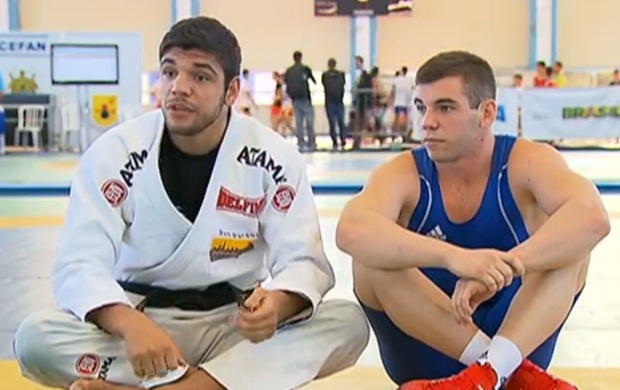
(573, 275)
(33, 342)
(347, 323)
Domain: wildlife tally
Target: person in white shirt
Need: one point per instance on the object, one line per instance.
(402, 98)
(245, 102)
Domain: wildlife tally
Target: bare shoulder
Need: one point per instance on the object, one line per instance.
(397, 173)
(391, 187)
(530, 159)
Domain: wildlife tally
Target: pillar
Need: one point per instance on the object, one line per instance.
(9, 15)
(363, 41)
(543, 31)
(182, 9)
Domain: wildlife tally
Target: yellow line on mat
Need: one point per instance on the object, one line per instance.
(25, 222)
(56, 220)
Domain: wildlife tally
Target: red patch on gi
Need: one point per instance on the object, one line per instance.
(114, 191)
(229, 201)
(87, 364)
(283, 198)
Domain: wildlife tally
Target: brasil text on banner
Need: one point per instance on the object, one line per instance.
(571, 113)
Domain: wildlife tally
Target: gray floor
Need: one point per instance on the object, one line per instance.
(590, 339)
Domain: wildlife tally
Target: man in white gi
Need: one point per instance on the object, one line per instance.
(191, 256)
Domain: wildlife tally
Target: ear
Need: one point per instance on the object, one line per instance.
(487, 113)
(232, 92)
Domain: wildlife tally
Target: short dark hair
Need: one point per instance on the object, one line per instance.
(475, 73)
(209, 35)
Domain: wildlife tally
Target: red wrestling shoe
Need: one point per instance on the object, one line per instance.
(531, 377)
(476, 377)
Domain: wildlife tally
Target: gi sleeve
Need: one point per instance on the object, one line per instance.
(290, 227)
(82, 276)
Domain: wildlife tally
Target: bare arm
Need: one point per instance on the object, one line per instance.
(117, 319)
(368, 229)
(578, 219)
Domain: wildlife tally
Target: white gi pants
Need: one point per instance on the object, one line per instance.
(54, 348)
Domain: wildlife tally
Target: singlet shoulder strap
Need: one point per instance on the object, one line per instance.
(503, 147)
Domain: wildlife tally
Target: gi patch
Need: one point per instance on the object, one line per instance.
(87, 364)
(229, 201)
(256, 157)
(114, 191)
(105, 368)
(134, 163)
(226, 247)
(283, 198)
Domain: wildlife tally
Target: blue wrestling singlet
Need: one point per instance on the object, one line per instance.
(497, 224)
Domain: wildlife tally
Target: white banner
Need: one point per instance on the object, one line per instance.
(571, 113)
(507, 121)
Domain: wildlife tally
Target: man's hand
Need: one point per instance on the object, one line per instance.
(467, 296)
(257, 318)
(151, 349)
(495, 269)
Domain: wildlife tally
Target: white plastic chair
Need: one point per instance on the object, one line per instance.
(70, 124)
(30, 120)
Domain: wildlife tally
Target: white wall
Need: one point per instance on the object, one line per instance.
(588, 33)
(496, 29)
(271, 30)
(149, 18)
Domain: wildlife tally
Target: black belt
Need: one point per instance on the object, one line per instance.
(211, 298)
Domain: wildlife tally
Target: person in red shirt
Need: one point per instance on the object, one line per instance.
(540, 80)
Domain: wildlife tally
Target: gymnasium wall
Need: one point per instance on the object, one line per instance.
(588, 33)
(495, 29)
(101, 16)
(271, 30)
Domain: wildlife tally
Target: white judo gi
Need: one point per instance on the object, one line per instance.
(258, 220)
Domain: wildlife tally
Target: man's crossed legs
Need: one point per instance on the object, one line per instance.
(55, 349)
(421, 340)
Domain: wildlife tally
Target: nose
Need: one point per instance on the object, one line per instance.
(428, 120)
(181, 85)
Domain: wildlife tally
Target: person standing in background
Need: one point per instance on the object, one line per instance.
(362, 101)
(296, 79)
(559, 77)
(402, 95)
(541, 79)
(245, 100)
(615, 78)
(333, 81)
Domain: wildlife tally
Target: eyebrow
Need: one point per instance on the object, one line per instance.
(438, 101)
(200, 65)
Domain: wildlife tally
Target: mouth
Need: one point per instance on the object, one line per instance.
(179, 107)
(431, 141)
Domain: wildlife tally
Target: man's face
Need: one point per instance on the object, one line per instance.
(449, 127)
(192, 90)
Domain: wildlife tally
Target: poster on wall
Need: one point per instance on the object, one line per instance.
(105, 110)
(327, 8)
(25, 64)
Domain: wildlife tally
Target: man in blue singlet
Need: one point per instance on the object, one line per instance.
(469, 253)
